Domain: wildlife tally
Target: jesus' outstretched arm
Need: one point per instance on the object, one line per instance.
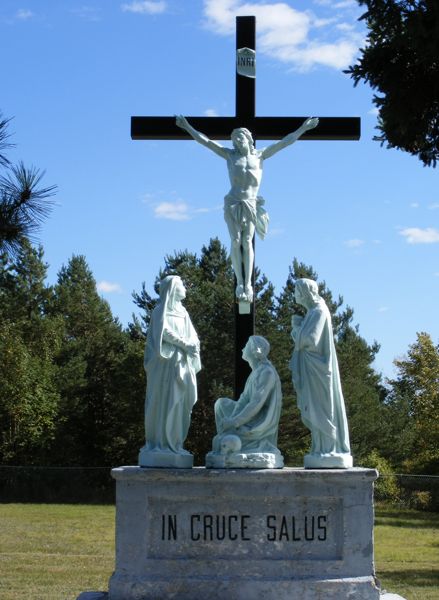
(200, 137)
(290, 138)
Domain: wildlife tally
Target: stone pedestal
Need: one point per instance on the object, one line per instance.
(238, 460)
(232, 535)
(328, 461)
(165, 460)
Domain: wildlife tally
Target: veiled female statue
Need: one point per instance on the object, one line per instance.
(172, 360)
(316, 380)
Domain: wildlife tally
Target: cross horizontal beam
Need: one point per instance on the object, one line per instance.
(262, 128)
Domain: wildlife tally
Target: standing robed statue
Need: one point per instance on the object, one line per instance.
(172, 361)
(316, 379)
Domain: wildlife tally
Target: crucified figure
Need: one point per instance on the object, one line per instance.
(243, 208)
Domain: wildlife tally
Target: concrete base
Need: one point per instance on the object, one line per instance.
(243, 534)
(246, 589)
(165, 460)
(239, 460)
(104, 596)
(328, 461)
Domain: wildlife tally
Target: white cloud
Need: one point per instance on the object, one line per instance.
(433, 206)
(354, 243)
(24, 13)
(342, 26)
(336, 55)
(179, 211)
(297, 38)
(210, 112)
(324, 22)
(145, 7)
(414, 205)
(374, 111)
(345, 4)
(168, 205)
(416, 235)
(383, 309)
(88, 13)
(337, 5)
(173, 211)
(108, 288)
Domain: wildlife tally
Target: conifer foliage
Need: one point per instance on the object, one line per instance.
(400, 62)
(24, 203)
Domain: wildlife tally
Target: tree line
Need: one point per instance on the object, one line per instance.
(72, 383)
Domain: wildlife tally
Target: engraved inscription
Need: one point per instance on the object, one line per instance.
(292, 529)
(246, 62)
(219, 527)
(197, 528)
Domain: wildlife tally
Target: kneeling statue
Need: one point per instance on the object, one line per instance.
(247, 428)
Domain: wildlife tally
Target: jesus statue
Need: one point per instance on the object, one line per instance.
(243, 208)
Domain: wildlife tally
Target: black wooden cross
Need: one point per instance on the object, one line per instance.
(262, 128)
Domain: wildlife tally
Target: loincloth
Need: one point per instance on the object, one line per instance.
(237, 213)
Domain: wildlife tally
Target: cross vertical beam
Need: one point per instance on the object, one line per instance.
(245, 101)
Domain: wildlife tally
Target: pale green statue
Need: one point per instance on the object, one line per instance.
(172, 360)
(243, 208)
(316, 380)
(247, 428)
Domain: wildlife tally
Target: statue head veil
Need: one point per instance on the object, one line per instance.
(154, 340)
(308, 288)
(260, 346)
(167, 291)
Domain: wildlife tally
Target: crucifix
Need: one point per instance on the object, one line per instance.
(262, 128)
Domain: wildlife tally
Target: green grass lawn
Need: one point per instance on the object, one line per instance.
(54, 552)
(407, 552)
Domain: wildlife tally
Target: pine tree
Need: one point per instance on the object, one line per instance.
(99, 367)
(29, 338)
(24, 204)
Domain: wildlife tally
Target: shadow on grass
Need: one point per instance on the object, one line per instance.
(410, 577)
(405, 518)
(56, 485)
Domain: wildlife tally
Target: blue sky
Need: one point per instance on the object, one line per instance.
(73, 73)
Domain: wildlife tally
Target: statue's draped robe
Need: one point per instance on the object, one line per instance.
(316, 379)
(257, 412)
(171, 376)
